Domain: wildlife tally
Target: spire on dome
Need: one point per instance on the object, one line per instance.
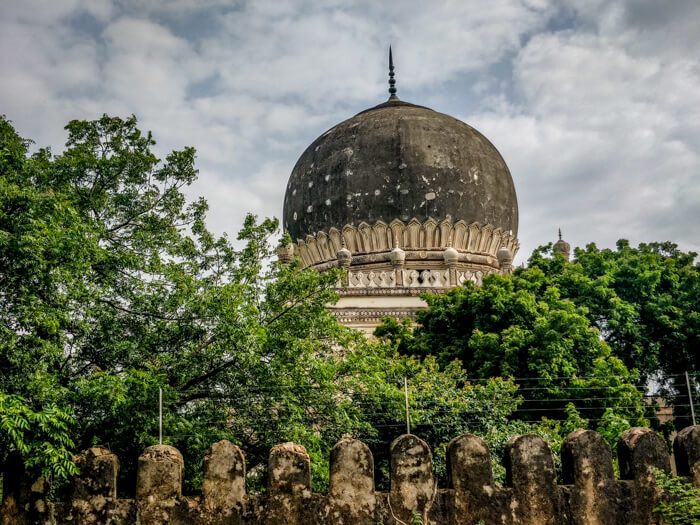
(392, 81)
(562, 247)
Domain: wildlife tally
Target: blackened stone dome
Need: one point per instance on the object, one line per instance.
(399, 161)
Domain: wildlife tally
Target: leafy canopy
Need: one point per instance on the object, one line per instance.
(113, 288)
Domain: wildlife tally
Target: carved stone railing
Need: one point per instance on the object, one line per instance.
(439, 279)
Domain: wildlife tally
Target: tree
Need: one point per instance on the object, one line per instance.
(645, 302)
(113, 288)
(518, 326)
(42, 438)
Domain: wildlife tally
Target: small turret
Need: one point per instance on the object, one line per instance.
(285, 250)
(397, 256)
(505, 260)
(450, 255)
(562, 247)
(344, 256)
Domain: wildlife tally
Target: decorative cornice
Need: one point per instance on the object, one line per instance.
(368, 242)
(372, 315)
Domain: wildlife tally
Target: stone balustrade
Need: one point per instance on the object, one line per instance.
(400, 278)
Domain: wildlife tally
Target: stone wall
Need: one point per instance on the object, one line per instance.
(591, 495)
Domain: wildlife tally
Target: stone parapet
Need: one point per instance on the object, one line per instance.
(590, 494)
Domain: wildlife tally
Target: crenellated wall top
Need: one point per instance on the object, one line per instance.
(531, 495)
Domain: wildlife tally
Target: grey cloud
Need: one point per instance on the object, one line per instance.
(594, 104)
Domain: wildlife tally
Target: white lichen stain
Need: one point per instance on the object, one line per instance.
(348, 173)
(377, 192)
(295, 216)
(311, 183)
(327, 178)
(402, 166)
(309, 209)
(328, 202)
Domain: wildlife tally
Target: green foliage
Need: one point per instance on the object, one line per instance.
(113, 288)
(644, 301)
(442, 402)
(681, 504)
(41, 437)
(514, 326)
(416, 518)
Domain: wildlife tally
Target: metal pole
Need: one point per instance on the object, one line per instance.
(690, 397)
(160, 416)
(405, 391)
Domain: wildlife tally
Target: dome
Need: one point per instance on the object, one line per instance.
(399, 161)
(562, 247)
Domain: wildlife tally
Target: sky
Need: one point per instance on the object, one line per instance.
(594, 105)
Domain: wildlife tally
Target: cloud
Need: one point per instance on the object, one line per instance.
(594, 105)
(603, 142)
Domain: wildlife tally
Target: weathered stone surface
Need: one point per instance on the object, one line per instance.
(469, 464)
(98, 510)
(399, 161)
(469, 473)
(412, 484)
(352, 495)
(587, 463)
(223, 484)
(686, 449)
(159, 485)
(94, 491)
(289, 469)
(290, 501)
(592, 498)
(530, 472)
(640, 450)
(98, 474)
(16, 492)
(160, 472)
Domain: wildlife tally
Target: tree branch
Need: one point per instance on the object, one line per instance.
(214, 371)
